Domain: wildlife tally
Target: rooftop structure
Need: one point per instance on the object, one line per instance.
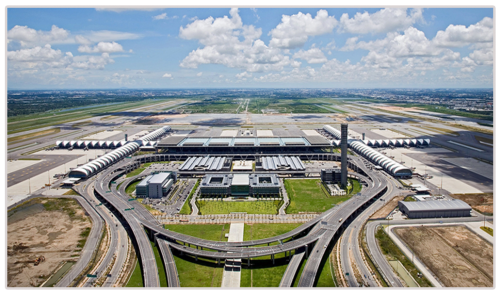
(155, 185)
(282, 163)
(116, 155)
(203, 163)
(388, 164)
(435, 209)
(239, 184)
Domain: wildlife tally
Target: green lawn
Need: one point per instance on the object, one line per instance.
(136, 172)
(221, 207)
(136, 279)
(204, 272)
(262, 270)
(306, 195)
(131, 187)
(213, 232)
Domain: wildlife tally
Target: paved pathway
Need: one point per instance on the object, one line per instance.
(285, 198)
(232, 269)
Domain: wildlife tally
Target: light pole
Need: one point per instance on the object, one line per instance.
(441, 184)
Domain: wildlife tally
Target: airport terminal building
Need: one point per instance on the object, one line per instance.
(239, 185)
(192, 144)
(156, 185)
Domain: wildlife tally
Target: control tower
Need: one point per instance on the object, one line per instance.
(343, 154)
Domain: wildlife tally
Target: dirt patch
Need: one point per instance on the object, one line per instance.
(457, 256)
(384, 211)
(52, 233)
(480, 202)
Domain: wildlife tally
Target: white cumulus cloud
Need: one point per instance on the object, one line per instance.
(30, 37)
(101, 47)
(382, 21)
(222, 45)
(294, 30)
(160, 16)
(167, 75)
(459, 35)
(312, 56)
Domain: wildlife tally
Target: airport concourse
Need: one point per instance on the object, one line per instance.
(277, 147)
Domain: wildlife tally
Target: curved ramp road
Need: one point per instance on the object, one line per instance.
(90, 245)
(168, 261)
(331, 222)
(350, 249)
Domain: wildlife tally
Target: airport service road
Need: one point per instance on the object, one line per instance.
(90, 246)
(349, 246)
(235, 250)
(118, 246)
(169, 263)
(146, 254)
(336, 221)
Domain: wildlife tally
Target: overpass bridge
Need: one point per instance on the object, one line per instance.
(333, 221)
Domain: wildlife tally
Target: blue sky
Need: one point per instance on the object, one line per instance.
(55, 48)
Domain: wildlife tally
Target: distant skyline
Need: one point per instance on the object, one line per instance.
(86, 48)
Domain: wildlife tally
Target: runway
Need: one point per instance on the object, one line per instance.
(45, 166)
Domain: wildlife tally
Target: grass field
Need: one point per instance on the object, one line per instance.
(131, 187)
(204, 272)
(136, 279)
(306, 195)
(136, 171)
(220, 207)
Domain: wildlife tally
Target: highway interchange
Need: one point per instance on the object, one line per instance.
(324, 228)
(313, 240)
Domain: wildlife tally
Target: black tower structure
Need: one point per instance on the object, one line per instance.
(343, 155)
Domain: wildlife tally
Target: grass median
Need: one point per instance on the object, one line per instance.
(306, 195)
